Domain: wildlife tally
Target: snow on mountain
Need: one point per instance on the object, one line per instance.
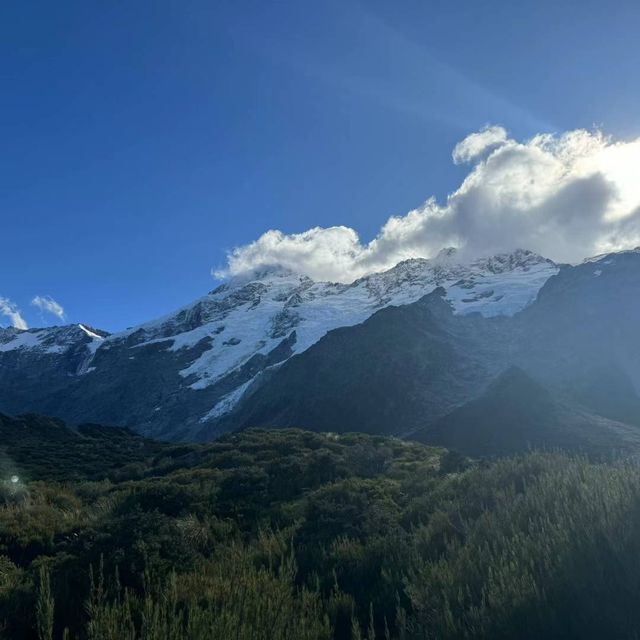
(253, 315)
(608, 258)
(221, 342)
(51, 340)
(500, 285)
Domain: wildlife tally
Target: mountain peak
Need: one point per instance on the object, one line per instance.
(518, 259)
(516, 384)
(50, 342)
(446, 255)
(265, 273)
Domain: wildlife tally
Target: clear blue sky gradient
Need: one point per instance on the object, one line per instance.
(141, 140)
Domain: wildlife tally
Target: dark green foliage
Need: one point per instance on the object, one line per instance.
(544, 547)
(287, 535)
(44, 606)
(38, 448)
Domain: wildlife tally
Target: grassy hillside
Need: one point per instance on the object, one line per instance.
(283, 535)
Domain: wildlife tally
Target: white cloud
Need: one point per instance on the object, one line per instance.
(11, 311)
(477, 144)
(316, 252)
(48, 304)
(565, 196)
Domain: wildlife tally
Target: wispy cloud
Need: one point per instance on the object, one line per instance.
(566, 196)
(49, 305)
(9, 309)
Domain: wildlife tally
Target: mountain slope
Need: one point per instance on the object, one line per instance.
(516, 413)
(37, 365)
(385, 354)
(175, 376)
(382, 376)
(405, 368)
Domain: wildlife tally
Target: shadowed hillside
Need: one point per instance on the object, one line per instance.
(516, 413)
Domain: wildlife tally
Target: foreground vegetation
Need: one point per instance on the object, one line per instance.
(287, 535)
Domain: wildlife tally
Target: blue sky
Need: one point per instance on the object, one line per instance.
(141, 141)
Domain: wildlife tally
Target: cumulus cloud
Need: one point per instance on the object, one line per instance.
(49, 305)
(566, 196)
(10, 310)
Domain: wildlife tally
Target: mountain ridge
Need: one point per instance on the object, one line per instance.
(226, 361)
(201, 358)
(584, 317)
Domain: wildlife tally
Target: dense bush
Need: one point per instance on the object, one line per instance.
(278, 535)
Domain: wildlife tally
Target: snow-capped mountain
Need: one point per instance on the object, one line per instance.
(54, 340)
(192, 366)
(407, 367)
(253, 316)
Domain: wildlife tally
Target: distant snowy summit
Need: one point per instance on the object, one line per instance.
(52, 340)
